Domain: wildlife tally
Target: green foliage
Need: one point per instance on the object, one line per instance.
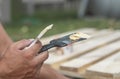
(31, 28)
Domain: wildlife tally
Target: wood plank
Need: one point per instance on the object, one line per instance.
(81, 63)
(83, 48)
(106, 69)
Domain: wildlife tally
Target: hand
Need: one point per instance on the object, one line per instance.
(19, 63)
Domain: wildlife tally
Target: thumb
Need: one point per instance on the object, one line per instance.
(22, 44)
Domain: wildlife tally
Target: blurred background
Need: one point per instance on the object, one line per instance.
(24, 19)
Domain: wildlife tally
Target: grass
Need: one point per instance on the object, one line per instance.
(30, 28)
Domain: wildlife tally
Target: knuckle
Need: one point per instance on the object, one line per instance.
(33, 64)
(44, 56)
(28, 55)
(39, 44)
(35, 49)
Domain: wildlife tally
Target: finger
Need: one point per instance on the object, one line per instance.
(33, 50)
(40, 58)
(22, 44)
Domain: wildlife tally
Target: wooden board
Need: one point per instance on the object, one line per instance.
(85, 53)
(83, 48)
(81, 63)
(106, 69)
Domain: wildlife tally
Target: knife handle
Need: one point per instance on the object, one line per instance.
(46, 47)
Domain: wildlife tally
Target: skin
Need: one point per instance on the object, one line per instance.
(5, 41)
(19, 63)
(49, 73)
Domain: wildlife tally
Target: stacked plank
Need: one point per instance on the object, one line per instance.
(80, 64)
(106, 69)
(78, 61)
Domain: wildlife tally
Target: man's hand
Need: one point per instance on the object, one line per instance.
(19, 63)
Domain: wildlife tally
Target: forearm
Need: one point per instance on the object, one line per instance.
(49, 73)
(5, 40)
